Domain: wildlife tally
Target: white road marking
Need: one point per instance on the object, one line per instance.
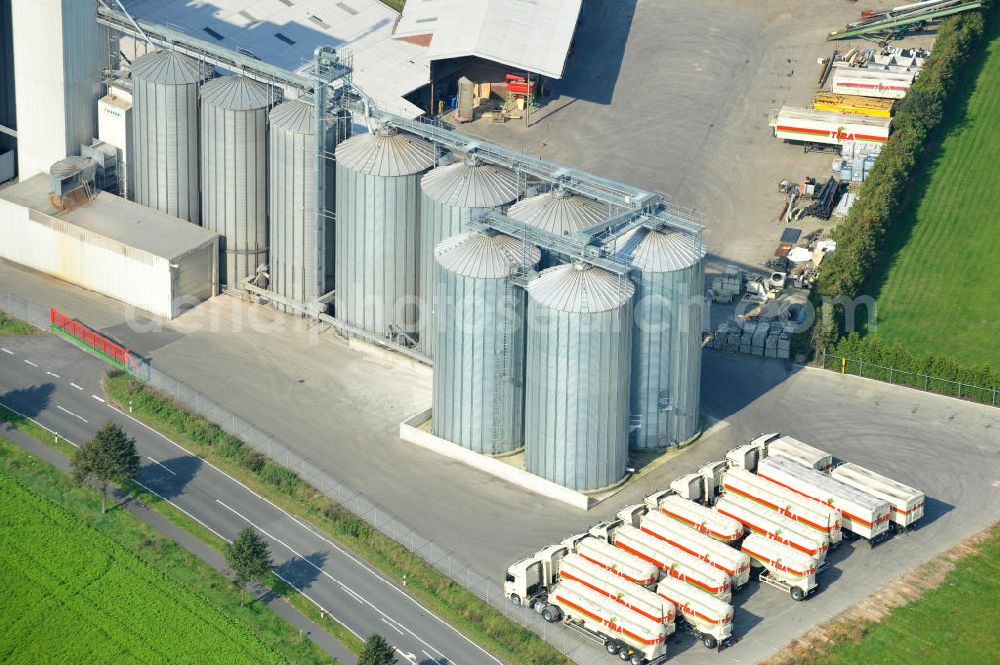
(99, 399)
(72, 414)
(350, 592)
(409, 657)
(52, 374)
(313, 601)
(28, 362)
(160, 465)
(394, 627)
(7, 351)
(75, 386)
(50, 431)
(155, 493)
(427, 654)
(328, 541)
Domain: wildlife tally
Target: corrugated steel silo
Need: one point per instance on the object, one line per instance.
(577, 376)
(165, 132)
(234, 171)
(559, 212)
(450, 195)
(478, 394)
(300, 256)
(378, 216)
(666, 341)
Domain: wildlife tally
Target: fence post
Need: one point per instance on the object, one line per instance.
(861, 367)
(959, 388)
(891, 371)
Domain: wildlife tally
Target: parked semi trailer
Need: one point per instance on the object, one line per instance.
(727, 559)
(618, 561)
(775, 444)
(673, 561)
(784, 567)
(631, 595)
(808, 512)
(864, 515)
(710, 618)
(633, 637)
(871, 82)
(826, 127)
(906, 504)
(699, 517)
(770, 524)
(829, 101)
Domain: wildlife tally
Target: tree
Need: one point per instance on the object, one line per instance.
(249, 557)
(107, 457)
(377, 651)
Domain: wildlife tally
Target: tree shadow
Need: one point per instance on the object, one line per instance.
(300, 572)
(169, 478)
(30, 402)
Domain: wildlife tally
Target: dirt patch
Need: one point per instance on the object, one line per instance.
(905, 590)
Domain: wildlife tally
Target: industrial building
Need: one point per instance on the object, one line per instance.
(562, 311)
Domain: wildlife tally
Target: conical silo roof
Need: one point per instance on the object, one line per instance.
(486, 256)
(386, 152)
(293, 116)
(471, 184)
(71, 165)
(235, 93)
(581, 288)
(662, 251)
(170, 68)
(559, 211)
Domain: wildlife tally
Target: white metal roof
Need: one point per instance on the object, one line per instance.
(385, 153)
(532, 35)
(116, 218)
(286, 32)
(485, 256)
(559, 212)
(580, 288)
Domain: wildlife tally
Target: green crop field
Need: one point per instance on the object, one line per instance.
(937, 289)
(72, 595)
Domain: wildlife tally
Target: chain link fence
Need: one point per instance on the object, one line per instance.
(926, 382)
(568, 642)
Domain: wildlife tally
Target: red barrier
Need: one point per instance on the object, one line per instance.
(116, 353)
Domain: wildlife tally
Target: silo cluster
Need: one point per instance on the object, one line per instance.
(450, 196)
(559, 212)
(165, 132)
(234, 172)
(378, 217)
(478, 396)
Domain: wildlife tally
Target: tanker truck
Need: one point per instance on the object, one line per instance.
(699, 517)
(631, 595)
(808, 512)
(864, 515)
(785, 568)
(728, 559)
(906, 505)
(761, 520)
(710, 618)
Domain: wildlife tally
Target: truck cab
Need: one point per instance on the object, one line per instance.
(528, 581)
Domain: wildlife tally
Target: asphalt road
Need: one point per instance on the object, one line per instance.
(59, 386)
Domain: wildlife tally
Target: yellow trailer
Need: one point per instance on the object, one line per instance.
(873, 106)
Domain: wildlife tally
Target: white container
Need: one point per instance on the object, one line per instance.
(705, 612)
(906, 503)
(864, 514)
(766, 522)
(618, 561)
(631, 595)
(727, 559)
(674, 561)
(871, 82)
(801, 452)
(811, 126)
(786, 564)
(599, 614)
(809, 512)
(701, 518)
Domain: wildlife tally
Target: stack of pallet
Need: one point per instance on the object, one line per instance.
(770, 339)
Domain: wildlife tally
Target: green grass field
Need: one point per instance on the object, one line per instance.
(938, 289)
(11, 326)
(954, 624)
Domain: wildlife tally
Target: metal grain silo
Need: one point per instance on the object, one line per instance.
(300, 257)
(378, 178)
(577, 376)
(478, 396)
(165, 132)
(234, 171)
(450, 195)
(559, 212)
(666, 341)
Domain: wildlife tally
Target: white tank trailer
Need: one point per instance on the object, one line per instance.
(864, 515)
(618, 561)
(785, 567)
(633, 637)
(637, 598)
(711, 618)
(764, 521)
(906, 504)
(870, 82)
(775, 444)
(701, 518)
(674, 561)
(809, 512)
(727, 559)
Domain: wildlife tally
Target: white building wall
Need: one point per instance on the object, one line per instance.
(59, 52)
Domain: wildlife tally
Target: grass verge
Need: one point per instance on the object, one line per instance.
(443, 596)
(11, 326)
(108, 587)
(942, 613)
